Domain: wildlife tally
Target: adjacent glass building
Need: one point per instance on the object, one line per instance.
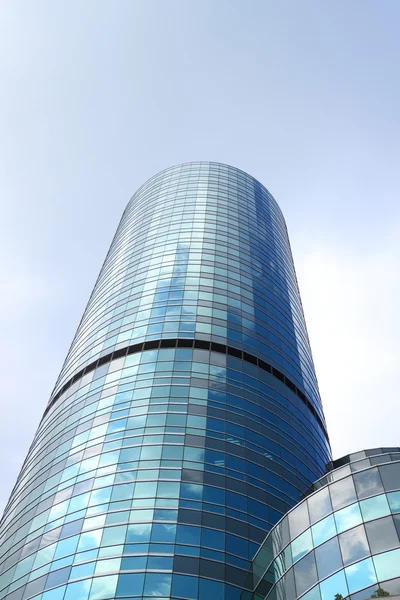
(342, 541)
(186, 420)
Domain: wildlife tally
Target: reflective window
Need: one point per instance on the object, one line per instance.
(368, 483)
(360, 575)
(387, 565)
(288, 585)
(390, 476)
(373, 508)
(382, 535)
(394, 501)
(299, 520)
(319, 505)
(302, 545)
(335, 584)
(328, 558)
(305, 573)
(354, 545)
(323, 530)
(157, 584)
(56, 594)
(210, 589)
(103, 587)
(393, 587)
(78, 590)
(396, 519)
(342, 493)
(313, 594)
(185, 587)
(348, 517)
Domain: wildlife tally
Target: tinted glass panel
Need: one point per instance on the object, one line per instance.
(354, 545)
(305, 573)
(319, 505)
(348, 517)
(302, 545)
(394, 501)
(360, 575)
(387, 565)
(343, 493)
(368, 483)
(298, 520)
(390, 476)
(323, 530)
(373, 508)
(313, 594)
(335, 584)
(328, 558)
(382, 535)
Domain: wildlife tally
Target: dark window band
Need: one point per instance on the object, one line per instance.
(190, 343)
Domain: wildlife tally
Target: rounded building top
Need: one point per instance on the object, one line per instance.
(201, 168)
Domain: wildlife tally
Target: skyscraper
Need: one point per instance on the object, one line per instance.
(186, 419)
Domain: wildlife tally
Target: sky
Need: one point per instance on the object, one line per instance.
(98, 96)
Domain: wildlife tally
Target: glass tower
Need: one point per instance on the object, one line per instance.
(186, 420)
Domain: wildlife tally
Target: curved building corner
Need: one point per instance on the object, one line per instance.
(342, 541)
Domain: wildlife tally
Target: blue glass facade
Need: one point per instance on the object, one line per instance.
(186, 419)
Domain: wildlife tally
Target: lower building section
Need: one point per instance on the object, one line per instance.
(342, 541)
(156, 473)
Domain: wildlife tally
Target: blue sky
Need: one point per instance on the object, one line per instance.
(98, 96)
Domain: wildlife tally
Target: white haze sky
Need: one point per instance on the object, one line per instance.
(98, 96)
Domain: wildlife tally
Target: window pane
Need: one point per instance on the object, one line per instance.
(387, 565)
(354, 545)
(342, 493)
(393, 587)
(157, 584)
(382, 535)
(336, 584)
(163, 532)
(313, 594)
(210, 589)
(323, 530)
(305, 573)
(348, 517)
(130, 585)
(360, 575)
(280, 536)
(390, 476)
(302, 545)
(187, 534)
(289, 589)
(394, 501)
(298, 520)
(319, 505)
(368, 483)
(373, 508)
(139, 533)
(365, 593)
(57, 594)
(185, 587)
(103, 587)
(328, 558)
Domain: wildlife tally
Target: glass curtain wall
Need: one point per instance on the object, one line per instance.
(343, 541)
(186, 419)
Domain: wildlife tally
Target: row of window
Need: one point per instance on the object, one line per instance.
(116, 341)
(338, 528)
